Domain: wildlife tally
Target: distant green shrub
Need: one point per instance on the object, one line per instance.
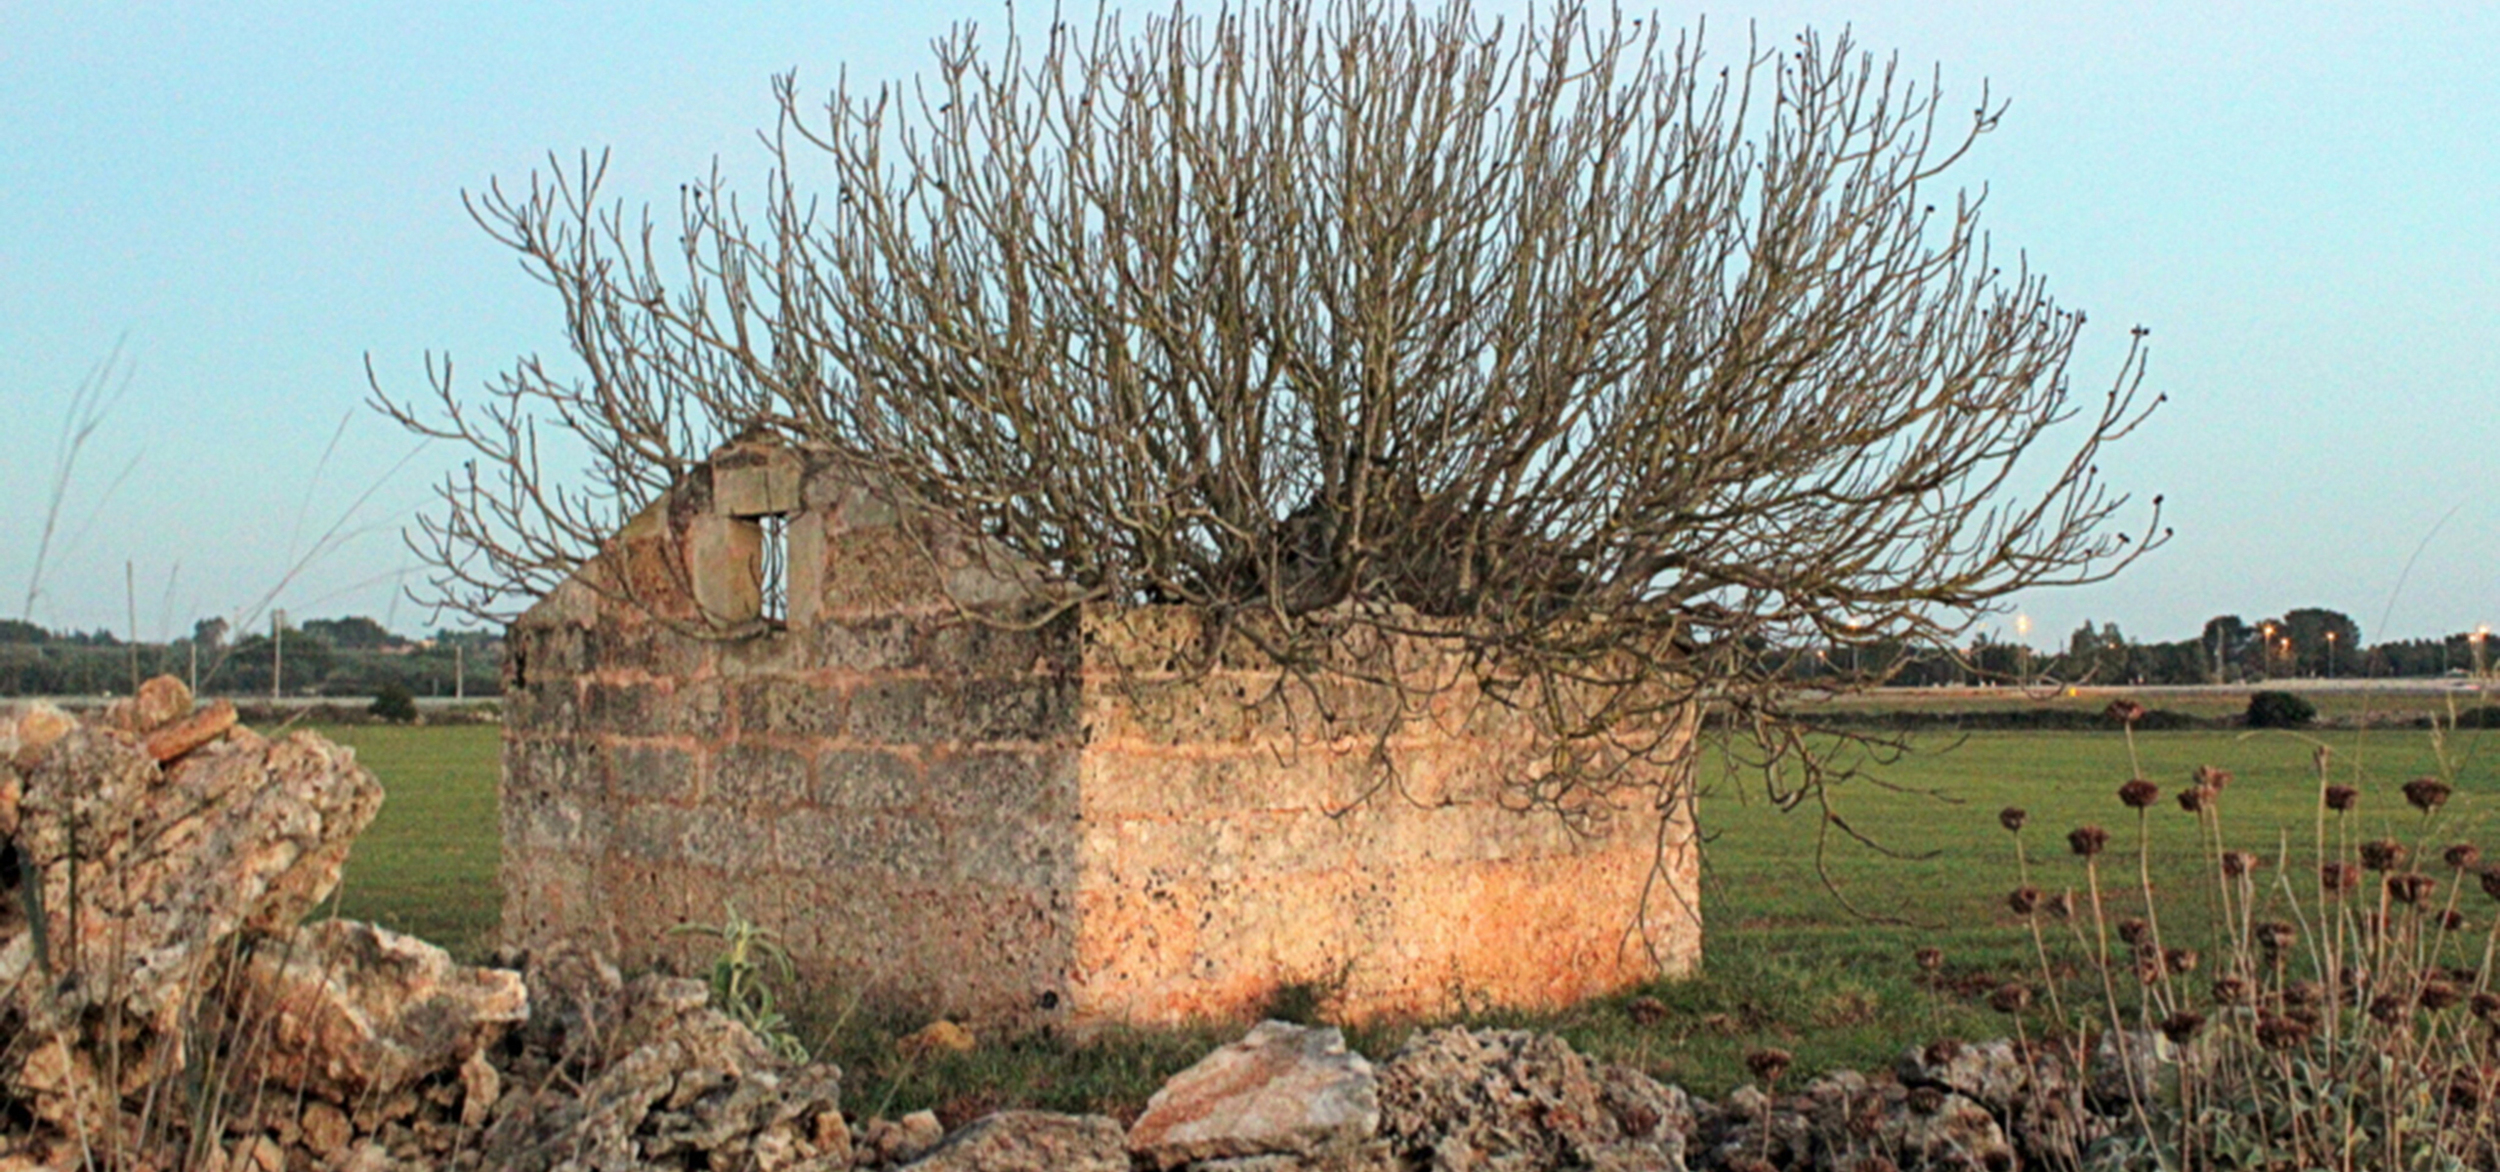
(2280, 710)
(394, 703)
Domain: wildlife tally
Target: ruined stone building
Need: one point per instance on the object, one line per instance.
(1045, 827)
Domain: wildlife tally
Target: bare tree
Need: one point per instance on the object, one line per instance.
(1613, 365)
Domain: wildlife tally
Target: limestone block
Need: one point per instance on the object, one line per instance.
(803, 570)
(725, 566)
(758, 776)
(638, 772)
(861, 780)
(785, 707)
(1282, 1089)
(755, 480)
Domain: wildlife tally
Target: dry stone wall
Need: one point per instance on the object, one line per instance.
(1055, 826)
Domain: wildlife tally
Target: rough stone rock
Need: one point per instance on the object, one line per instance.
(159, 702)
(1458, 1099)
(1989, 1073)
(900, 1141)
(692, 1088)
(12, 787)
(29, 727)
(1952, 1133)
(1748, 1124)
(481, 1087)
(1281, 1089)
(2147, 1058)
(575, 999)
(182, 736)
(63, 1087)
(2029, 1089)
(169, 863)
(937, 1037)
(355, 1011)
(325, 1129)
(1031, 1141)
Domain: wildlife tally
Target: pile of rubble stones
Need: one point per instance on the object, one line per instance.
(163, 1006)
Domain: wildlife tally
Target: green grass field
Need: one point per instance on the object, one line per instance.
(1786, 964)
(427, 864)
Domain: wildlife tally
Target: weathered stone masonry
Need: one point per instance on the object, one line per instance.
(1051, 826)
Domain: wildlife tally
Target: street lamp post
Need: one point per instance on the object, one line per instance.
(2330, 655)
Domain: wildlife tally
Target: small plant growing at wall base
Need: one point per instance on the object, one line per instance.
(750, 957)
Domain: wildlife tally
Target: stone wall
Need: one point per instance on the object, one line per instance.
(1047, 826)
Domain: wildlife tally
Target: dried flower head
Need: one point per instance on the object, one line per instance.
(2468, 1086)
(2485, 1005)
(2382, 854)
(1943, 1051)
(2338, 878)
(2239, 863)
(2060, 904)
(2212, 777)
(1769, 1063)
(2389, 1009)
(2010, 997)
(2087, 840)
(2463, 856)
(2196, 799)
(2452, 920)
(2439, 995)
(2180, 961)
(2012, 818)
(2124, 711)
(2233, 991)
(2490, 879)
(2276, 1032)
(2428, 793)
(2276, 935)
(1646, 1011)
(2135, 930)
(2410, 888)
(2139, 793)
(2182, 1026)
(2024, 900)
(2342, 797)
(2304, 994)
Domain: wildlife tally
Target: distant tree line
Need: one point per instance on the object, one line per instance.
(351, 656)
(2303, 643)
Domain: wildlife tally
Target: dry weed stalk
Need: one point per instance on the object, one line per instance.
(2341, 1028)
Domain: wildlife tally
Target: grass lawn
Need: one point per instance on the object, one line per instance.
(427, 864)
(1786, 964)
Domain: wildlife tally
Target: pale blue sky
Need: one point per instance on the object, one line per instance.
(2301, 201)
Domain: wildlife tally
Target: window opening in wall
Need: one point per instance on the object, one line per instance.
(776, 567)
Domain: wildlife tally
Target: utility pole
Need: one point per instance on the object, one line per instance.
(130, 594)
(459, 672)
(277, 651)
